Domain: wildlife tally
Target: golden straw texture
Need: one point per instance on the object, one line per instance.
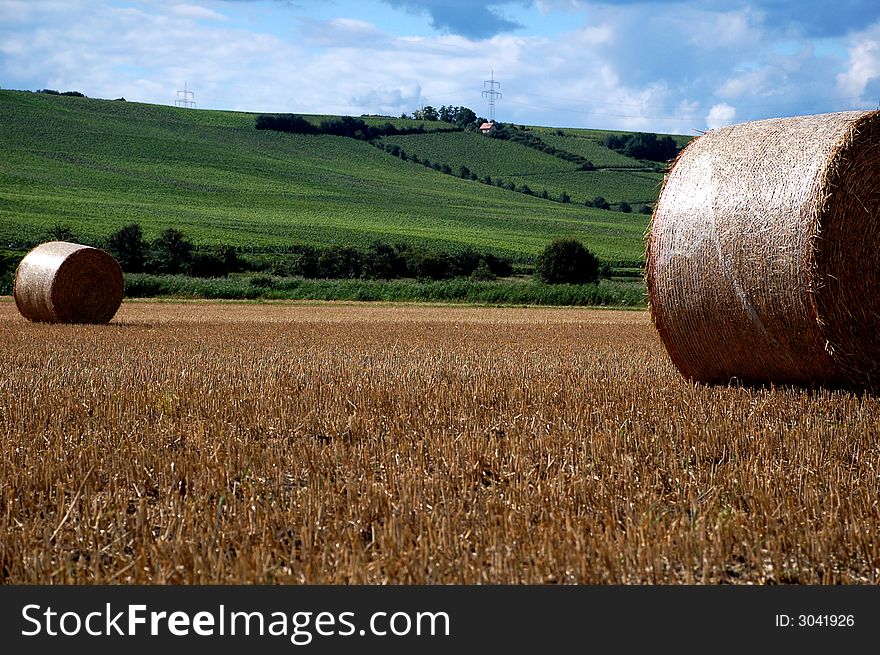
(61, 282)
(762, 260)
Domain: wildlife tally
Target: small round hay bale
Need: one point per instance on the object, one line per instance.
(763, 253)
(61, 282)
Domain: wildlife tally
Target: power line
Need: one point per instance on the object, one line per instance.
(492, 94)
(185, 98)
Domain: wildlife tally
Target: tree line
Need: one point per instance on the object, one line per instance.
(563, 261)
(464, 117)
(643, 145)
(172, 253)
(347, 126)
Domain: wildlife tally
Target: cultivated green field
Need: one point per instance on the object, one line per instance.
(617, 178)
(96, 165)
(588, 144)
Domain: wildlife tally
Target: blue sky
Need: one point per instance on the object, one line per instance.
(658, 65)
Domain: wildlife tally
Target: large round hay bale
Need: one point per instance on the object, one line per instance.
(763, 254)
(61, 282)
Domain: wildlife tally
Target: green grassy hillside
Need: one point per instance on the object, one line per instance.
(616, 178)
(94, 166)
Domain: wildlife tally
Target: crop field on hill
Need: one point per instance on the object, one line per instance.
(589, 146)
(588, 143)
(484, 156)
(344, 443)
(521, 165)
(96, 165)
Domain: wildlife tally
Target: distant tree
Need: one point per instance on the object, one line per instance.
(207, 264)
(483, 272)
(216, 262)
(303, 262)
(170, 253)
(53, 92)
(600, 203)
(645, 209)
(564, 197)
(340, 262)
(643, 145)
(129, 247)
(349, 126)
(290, 123)
(429, 264)
(426, 113)
(382, 261)
(567, 261)
(466, 117)
(8, 264)
(624, 207)
(499, 267)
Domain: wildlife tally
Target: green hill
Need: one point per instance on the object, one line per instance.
(94, 166)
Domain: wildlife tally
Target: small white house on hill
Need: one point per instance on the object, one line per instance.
(487, 128)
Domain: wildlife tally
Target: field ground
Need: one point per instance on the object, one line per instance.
(344, 443)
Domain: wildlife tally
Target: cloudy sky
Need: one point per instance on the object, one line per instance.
(658, 65)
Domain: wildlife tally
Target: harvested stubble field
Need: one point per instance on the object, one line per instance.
(325, 443)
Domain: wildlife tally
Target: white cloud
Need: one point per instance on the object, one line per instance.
(196, 12)
(863, 63)
(389, 101)
(712, 31)
(546, 6)
(342, 32)
(720, 115)
(668, 67)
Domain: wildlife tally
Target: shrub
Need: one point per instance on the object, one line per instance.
(129, 247)
(340, 262)
(567, 261)
(209, 264)
(483, 272)
(427, 264)
(8, 264)
(261, 281)
(383, 262)
(643, 145)
(290, 123)
(171, 253)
